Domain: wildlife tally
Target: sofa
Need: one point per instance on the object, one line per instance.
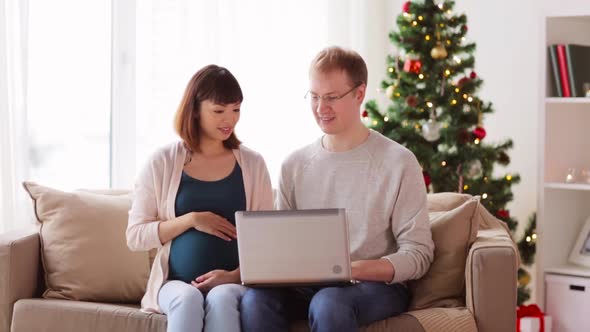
(484, 287)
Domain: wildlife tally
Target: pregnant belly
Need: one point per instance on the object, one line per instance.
(195, 253)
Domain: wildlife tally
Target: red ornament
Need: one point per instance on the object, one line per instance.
(464, 28)
(427, 179)
(406, 7)
(412, 66)
(473, 75)
(479, 132)
(365, 114)
(412, 101)
(503, 214)
(462, 81)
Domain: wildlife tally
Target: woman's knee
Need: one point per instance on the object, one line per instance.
(191, 295)
(185, 296)
(183, 304)
(227, 294)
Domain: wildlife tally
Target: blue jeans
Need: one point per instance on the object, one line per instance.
(189, 311)
(341, 309)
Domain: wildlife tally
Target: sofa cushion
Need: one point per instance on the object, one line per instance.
(49, 315)
(453, 219)
(83, 247)
(445, 319)
(43, 315)
(401, 323)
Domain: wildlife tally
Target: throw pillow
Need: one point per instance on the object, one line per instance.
(83, 246)
(454, 223)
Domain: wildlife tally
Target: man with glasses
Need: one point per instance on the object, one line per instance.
(378, 182)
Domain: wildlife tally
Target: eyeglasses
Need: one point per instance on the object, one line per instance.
(328, 99)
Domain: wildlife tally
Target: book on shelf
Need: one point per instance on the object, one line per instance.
(570, 68)
(563, 72)
(555, 71)
(578, 62)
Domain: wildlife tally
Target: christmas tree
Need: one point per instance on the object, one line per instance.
(527, 247)
(435, 111)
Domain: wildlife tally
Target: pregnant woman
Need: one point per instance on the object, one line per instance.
(184, 202)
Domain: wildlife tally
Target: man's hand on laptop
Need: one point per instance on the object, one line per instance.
(216, 277)
(372, 270)
(211, 223)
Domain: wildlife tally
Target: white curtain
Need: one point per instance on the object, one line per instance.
(266, 44)
(14, 205)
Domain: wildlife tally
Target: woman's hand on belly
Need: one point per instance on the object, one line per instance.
(211, 223)
(216, 277)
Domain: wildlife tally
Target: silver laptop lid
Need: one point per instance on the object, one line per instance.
(293, 247)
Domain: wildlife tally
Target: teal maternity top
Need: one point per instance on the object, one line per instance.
(195, 253)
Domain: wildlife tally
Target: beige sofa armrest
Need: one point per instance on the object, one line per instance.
(490, 275)
(19, 267)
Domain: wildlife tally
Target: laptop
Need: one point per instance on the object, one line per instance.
(293, 248)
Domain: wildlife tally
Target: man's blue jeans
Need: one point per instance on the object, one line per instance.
(341, 309)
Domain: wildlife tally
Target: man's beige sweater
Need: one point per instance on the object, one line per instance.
(380, 184)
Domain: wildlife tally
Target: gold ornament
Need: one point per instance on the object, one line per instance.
(438, 52)
(390, 91)
(524, 279)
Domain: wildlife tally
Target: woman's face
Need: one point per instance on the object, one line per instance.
(218, 121)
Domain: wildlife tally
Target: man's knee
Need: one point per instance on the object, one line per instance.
(254, 297)
(330, 304)
(260, 298)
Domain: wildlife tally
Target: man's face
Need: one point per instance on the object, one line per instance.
(335, 103)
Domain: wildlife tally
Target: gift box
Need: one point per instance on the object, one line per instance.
(530, 318)
(533, 324)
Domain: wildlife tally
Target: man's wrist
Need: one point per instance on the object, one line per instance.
(373, 270)
(392, 271)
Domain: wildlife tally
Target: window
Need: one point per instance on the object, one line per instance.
(68, 100)
(93, 122)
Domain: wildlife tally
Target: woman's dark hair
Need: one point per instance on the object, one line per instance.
(212, 83)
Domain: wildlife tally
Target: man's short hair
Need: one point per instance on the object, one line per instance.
(338, 58)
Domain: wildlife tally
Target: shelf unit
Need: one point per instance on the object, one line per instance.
(569, 270)
(567, 186)
(564, 126)
(557, 100)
